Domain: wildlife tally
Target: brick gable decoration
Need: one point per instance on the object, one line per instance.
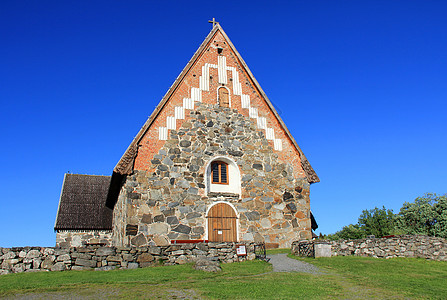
(162, 189)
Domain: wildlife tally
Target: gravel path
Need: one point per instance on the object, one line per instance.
(282, 263)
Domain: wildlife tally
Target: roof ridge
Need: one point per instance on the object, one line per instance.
(87, 175)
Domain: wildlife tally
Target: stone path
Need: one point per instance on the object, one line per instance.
(282, 263)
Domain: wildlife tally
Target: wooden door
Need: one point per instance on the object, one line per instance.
(222, 223)
(224, 99)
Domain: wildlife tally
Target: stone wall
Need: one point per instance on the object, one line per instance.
(34, 259)
(398, 246)
(79, 238)
(170, 200)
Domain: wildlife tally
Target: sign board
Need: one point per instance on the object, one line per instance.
(241, 250)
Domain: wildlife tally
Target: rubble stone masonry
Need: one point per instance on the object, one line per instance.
(169, 199)
(35, 259)
(398, 246)
(79, 238)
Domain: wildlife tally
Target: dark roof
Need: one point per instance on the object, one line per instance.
(126, 163)
(313, 222)
(82, 203)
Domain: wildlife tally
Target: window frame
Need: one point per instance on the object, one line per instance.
(219, 170)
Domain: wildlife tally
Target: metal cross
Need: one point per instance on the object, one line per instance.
(214, 22)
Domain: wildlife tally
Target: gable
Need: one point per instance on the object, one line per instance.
(215, 64)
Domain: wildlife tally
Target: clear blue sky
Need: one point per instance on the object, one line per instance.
(362, 86)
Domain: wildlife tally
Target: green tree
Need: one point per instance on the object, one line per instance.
(440, 228)
(427, 215)
(378, 221)
(352, 231)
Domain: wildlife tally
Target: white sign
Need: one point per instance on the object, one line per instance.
(241, 250)
(219, 232)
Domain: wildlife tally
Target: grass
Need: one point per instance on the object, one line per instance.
(345, 277)
(245, 280)
(408, 277)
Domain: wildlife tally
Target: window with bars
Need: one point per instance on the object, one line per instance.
(219, 172)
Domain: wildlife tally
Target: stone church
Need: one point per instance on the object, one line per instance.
(214, 162)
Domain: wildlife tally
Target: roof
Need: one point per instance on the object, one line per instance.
(313, 222)
(125, 164)
(82, 203)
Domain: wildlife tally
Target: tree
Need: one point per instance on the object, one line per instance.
(441, 210)
(378, 221)
(427, 215)
(352, 231)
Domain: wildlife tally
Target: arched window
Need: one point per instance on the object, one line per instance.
(222, 175)
(219, 172)
(224, 97)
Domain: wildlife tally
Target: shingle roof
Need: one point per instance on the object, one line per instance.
(82, 203)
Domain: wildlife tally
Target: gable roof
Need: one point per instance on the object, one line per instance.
(125, 164)
(82, 203)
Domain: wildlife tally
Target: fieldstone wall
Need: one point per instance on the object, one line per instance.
(65, 239)
(169, 200)
(398, 246)
(35, 259)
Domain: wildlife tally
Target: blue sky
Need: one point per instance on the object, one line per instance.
(362, 86)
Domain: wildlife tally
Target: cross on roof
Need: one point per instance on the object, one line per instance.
(214, 22)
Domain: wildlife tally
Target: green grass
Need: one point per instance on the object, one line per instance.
(245, 280)
(407, 277)
(344, 277)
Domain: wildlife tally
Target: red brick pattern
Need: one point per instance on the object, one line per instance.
(150, 143)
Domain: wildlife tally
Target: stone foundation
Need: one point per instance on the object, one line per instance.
(66, 239)
(34, 259)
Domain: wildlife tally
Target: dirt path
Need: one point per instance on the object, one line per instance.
(282, 263)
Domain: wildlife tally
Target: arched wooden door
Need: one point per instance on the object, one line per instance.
(222, 225)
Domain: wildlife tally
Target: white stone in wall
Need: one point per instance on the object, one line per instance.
(188, 103)
(277, 144)
(163, 133)
(265, 223)
(76, 241)
(322, 250)
(245, 101)
(262, 123)
(196, 94)
(237, 88)
(171, 123)
(270, 134)
(204, 79)
(253, 112)
(179, 112)
(222, 69)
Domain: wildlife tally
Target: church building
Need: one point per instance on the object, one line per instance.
(214, 162)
